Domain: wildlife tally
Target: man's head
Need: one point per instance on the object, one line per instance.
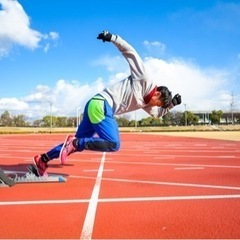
(161, 98)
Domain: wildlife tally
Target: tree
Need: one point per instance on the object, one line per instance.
(191, 118)
(177, 116)
(47, 121)
(166, 120)
(122, 122)
(71, 121)
(215, 116)
(61, 121)
(6, 119)
(38, 123)
(20, 121)
(173, 118)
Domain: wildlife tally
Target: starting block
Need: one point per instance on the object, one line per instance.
(8, 179)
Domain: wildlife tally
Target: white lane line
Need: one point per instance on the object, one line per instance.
(189, 168)
(36, 202)
(133, 199)
(171, 198)
(175, 164)
(197, 155)
(163, 183)
(95, 170)
(92, 207)
(202, 156)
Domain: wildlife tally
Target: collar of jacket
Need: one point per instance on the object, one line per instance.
(149, 95)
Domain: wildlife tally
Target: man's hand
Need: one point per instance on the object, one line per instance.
(177, 99)
(105, 36)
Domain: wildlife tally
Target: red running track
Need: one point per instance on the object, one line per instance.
(154, 187)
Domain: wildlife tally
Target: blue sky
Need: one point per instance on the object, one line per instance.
(50, 57)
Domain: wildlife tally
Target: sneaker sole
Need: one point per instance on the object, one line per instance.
(35, 166)
(33, 169)
(64, 144)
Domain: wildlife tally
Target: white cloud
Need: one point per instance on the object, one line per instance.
(53, 35)
(15, 29)
(64, 98)
(200, 88)
(112, 64)
(156, 45)
(13, 104)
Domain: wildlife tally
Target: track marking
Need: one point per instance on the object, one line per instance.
(163, 183)
(189, 168)
(111, 200)
(92, 207)
(199, 155)
(96, 170)
(171, 198)
(176, 164)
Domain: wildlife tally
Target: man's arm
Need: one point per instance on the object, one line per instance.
(133, 58)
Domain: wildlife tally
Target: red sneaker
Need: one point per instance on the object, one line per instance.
(67, 148)
(41, 166)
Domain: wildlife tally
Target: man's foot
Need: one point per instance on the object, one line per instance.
(67, 148)
(41, 166)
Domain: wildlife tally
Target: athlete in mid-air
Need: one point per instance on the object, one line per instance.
(132, 93)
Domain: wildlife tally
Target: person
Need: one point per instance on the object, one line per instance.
(98, 130)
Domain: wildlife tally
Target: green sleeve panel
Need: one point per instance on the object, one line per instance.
(96, 110)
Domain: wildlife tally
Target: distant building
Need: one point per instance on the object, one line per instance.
(227, 117)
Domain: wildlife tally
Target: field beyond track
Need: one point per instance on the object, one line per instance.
(224, 132)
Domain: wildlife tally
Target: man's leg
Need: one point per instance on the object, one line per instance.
(85, 129)
(41, 161)
(101, 117)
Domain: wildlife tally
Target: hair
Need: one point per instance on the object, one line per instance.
(166, 96)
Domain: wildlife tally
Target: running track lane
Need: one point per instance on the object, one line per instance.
(154, 187)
